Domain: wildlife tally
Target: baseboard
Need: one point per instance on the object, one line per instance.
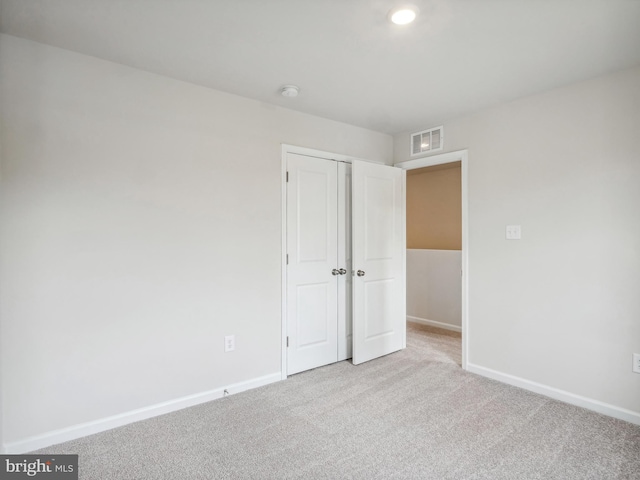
(97, 426)
(557, 394)
(433, 323)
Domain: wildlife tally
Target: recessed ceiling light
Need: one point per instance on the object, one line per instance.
(289, 91)
(403, 15)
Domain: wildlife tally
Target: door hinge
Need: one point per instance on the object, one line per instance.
(287, 342)
(287, 176)
(287, 259)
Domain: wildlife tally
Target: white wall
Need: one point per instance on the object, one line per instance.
(560, 307)
(434, 288)
(141, 222)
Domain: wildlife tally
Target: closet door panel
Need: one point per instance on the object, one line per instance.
(312, 246)
(379, 291)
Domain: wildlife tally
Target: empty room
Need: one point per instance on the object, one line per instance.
(213, 263)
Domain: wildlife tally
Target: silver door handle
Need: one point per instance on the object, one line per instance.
(360, 273)
(342, 271)
(335, 271)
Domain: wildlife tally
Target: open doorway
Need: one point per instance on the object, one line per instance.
(437, 274)
(434, 259)
(434, 246)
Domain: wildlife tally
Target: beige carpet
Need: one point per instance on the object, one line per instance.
(414, 414)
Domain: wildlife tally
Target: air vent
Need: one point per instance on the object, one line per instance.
(427, 141)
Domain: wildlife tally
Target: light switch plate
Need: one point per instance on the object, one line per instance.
(229, 343)
(636, 362)
(513, 232)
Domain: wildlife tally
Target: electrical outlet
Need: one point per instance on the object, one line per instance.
(513, 232)
(636, 362)
(229, 343)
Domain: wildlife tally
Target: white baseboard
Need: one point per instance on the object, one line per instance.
(433, 323)
(96, 426)
(557, 394)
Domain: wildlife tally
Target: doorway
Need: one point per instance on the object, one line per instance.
(444, 160)
(434, 244)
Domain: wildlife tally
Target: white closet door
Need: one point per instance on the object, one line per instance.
(312, 249)
(378, 230)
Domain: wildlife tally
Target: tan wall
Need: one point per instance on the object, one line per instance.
(434, 208)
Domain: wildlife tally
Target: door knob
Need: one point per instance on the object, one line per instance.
(342, 271)
(360, 273)
(335, 271)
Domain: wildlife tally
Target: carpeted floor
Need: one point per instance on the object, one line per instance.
(414, 414)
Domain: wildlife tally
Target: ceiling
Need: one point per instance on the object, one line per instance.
(350, 63)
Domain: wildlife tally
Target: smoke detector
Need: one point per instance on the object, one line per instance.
(289, 91)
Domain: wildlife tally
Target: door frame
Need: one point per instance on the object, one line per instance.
(309, 152)
(461, 156)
